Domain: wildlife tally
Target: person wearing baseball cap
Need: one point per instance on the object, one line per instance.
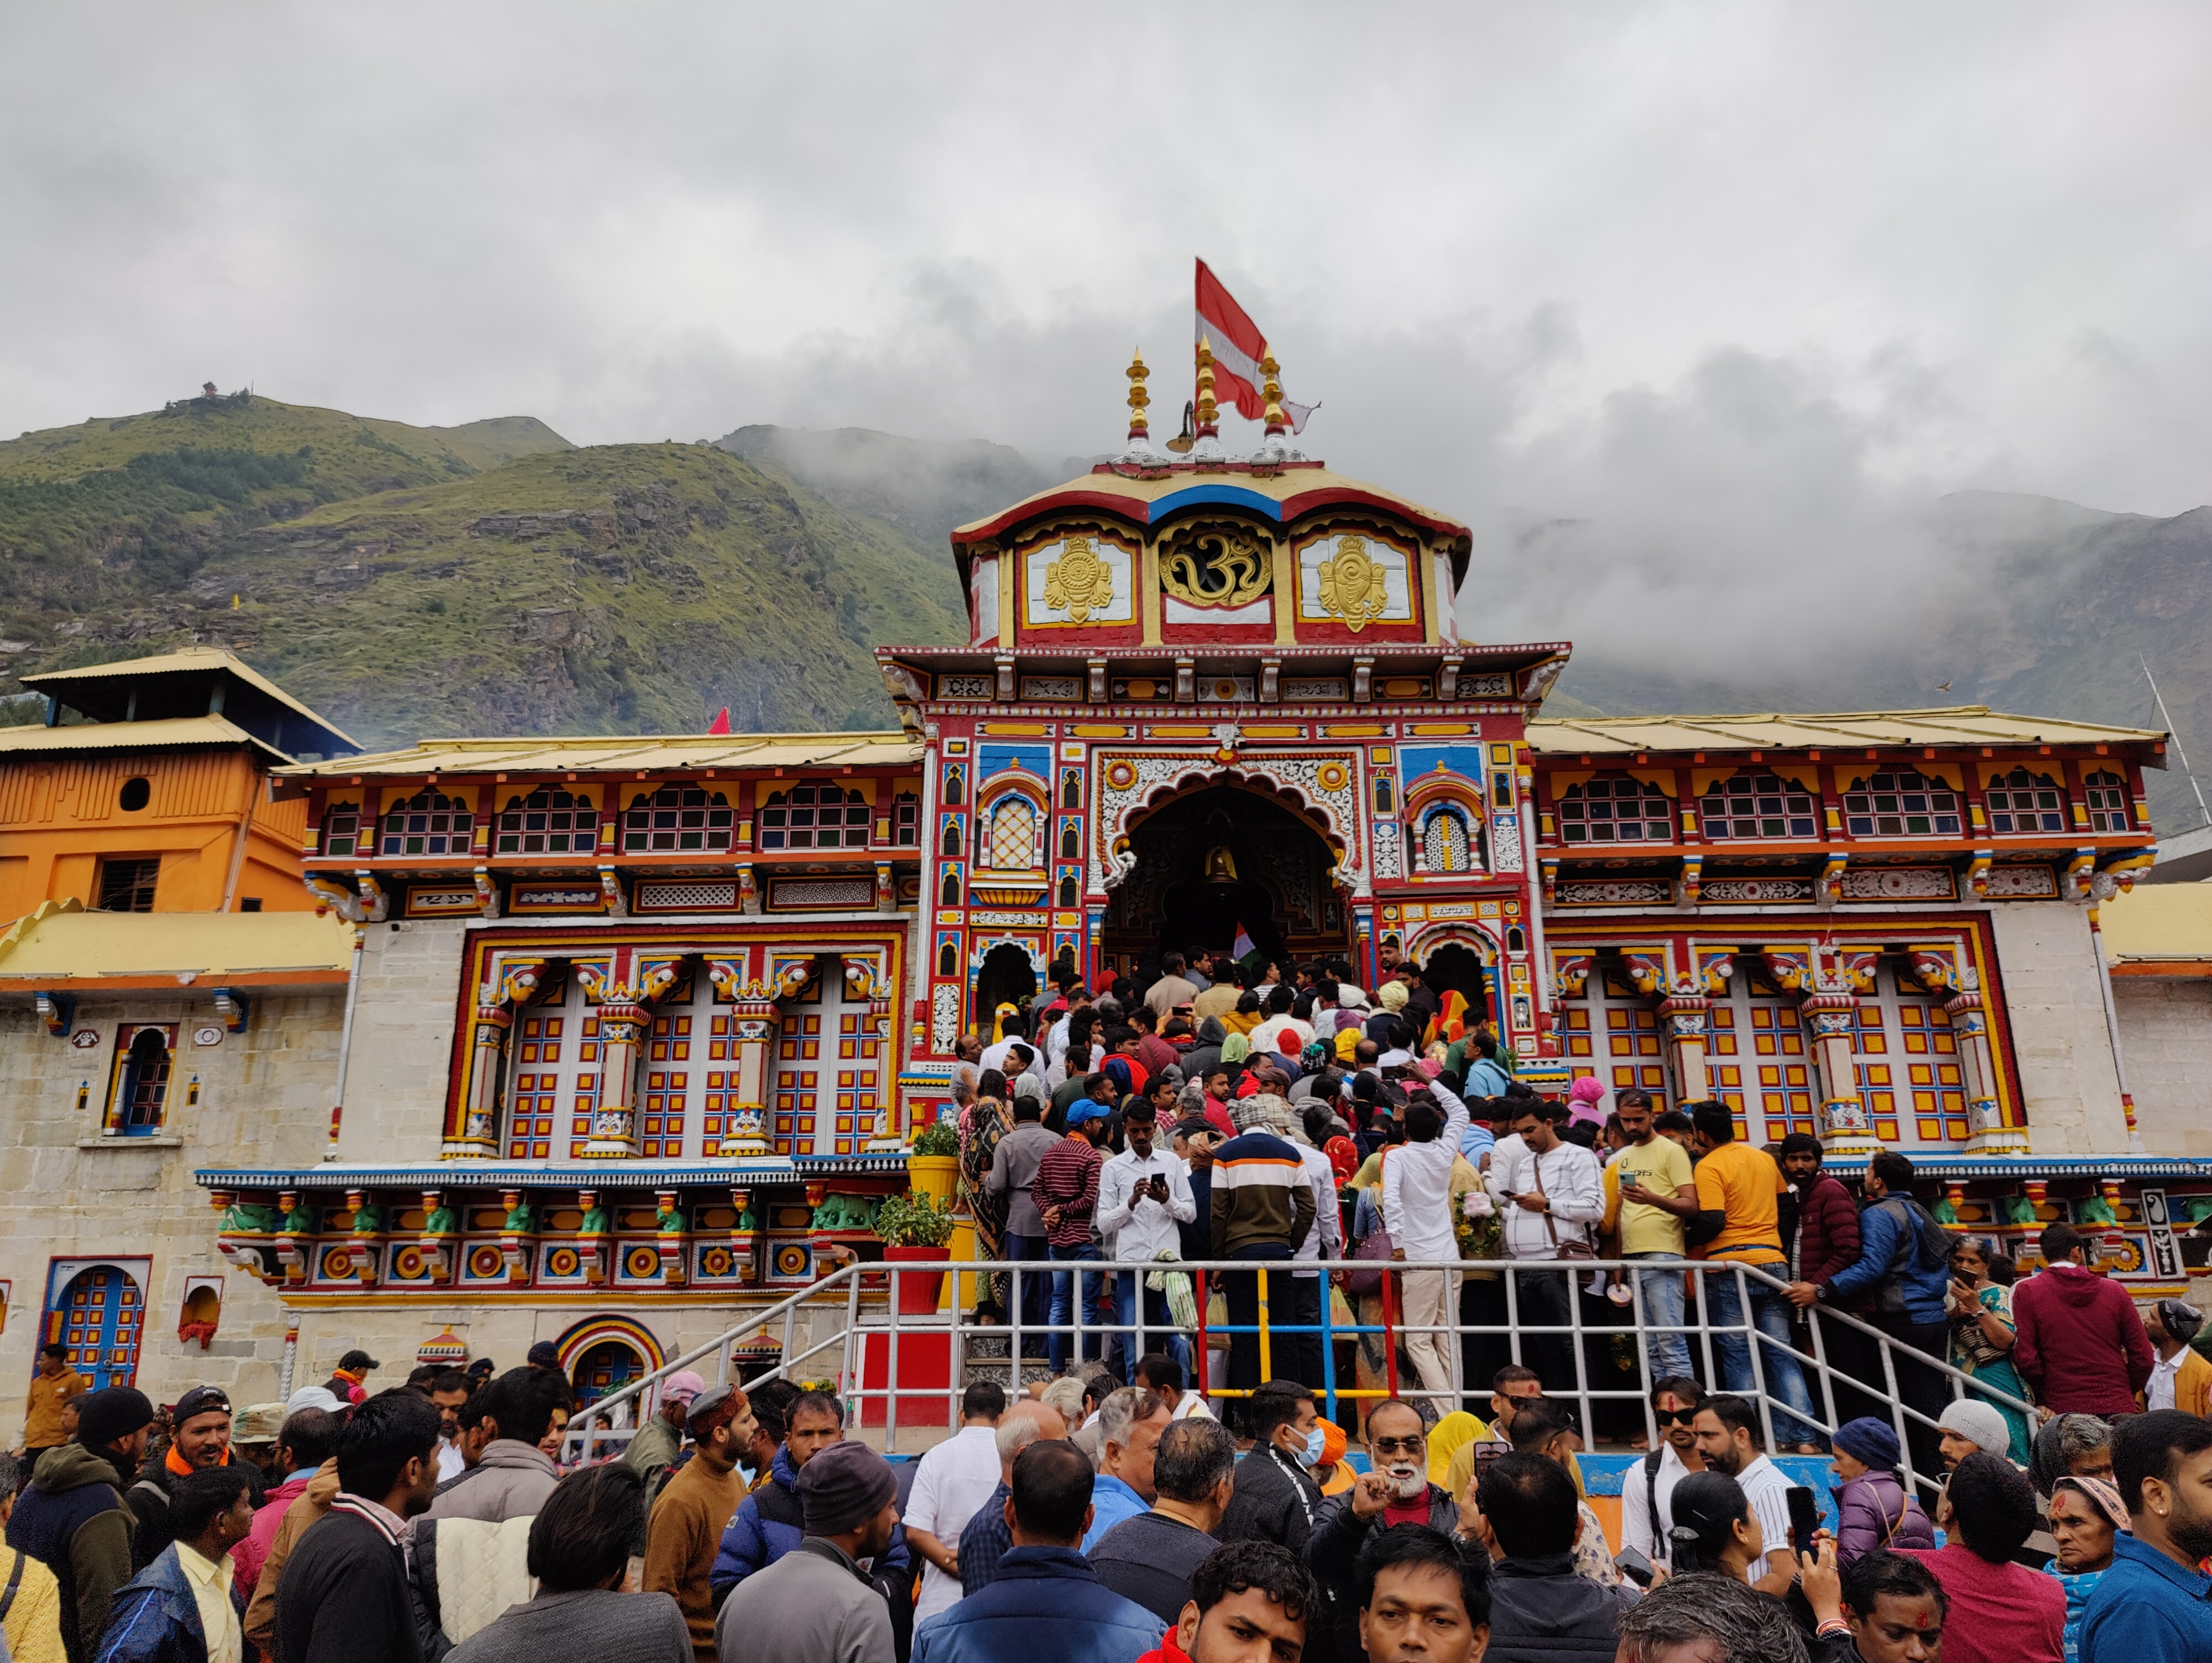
(72, 1518)
(816, 1604)
(346, 1384)
(199, 1438)
(660, 1439)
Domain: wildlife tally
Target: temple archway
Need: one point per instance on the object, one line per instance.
(1218, 857)
(1007, 977)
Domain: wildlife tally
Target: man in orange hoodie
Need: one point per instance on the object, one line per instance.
(1247, 1599)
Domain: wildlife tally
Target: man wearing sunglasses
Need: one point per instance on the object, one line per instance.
(1394, 1490)
(1648, 1487)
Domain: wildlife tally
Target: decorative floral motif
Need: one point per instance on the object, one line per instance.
(1618, 893)
(1758, 888)
(1385, 833)
(943, 1017)
(1131, 781)
(1898, 883)
(1505, 841)
(2023, 884)
(1079, 582)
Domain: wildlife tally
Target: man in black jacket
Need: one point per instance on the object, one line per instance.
(1394, 1490)
(200, 1441)
(72, 1518)
(1276, 1499)
(342, 1597)
(1539, 1607)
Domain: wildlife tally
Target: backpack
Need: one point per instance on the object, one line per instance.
(1927, 1245)
(1659, 1539)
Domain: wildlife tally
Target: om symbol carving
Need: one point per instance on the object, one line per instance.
(1353, 586)
(1078, 580)
(1213, 567)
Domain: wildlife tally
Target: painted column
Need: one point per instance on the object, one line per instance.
(622, 1027)
(753, 1023)
(1845, 1128)
(888, 1137)
(1686, 1015)
(479, 1138)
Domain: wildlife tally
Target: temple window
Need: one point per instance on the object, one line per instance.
(955, 787)
(1071, 790)
(1902, 803)
(1615, 808)
(428, 823)
(949, 892)
(1013, 834)
(341, 828)
(1067, 890)
(2024, 802)
(1445, 845)
(127, 885)
(949, 846)
(1385, 798)
(1071, 840)
(1759, 805)
(948, 960)
(813, 817)
(548, 821)
(677, 816)
(144, 1055)
(2108, 802)
(906, 820)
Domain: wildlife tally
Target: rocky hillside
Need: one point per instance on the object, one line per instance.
(489, 579)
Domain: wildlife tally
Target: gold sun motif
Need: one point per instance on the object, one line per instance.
(1079, 581)
(1354, 586)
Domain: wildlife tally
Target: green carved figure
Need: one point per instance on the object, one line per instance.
(1944, 1213)
(845, 1213)
(518, 1219)
(669, 1221)
(747, 1221)
(300, 1221)
(2097, 1211)
(258, 1221)
(594, 1221)
(368, 1219)
(442, 1221)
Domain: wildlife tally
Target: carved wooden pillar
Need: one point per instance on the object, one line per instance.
(479, 1138)
(753, 1023)
(1686, 1015)
(622, 1029)
(1845, 1126)
(888, 1137)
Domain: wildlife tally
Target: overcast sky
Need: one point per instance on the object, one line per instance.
(1735, 281)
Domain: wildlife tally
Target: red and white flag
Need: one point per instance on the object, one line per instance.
(1238, 347)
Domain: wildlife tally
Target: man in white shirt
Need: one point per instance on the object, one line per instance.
(1552, 1194)
(955, 1477)
(1647, 1489)
(212, 1512)
(2171, 1324)
(1267, 1038)
(1000, 1055)
(1728, 1435)
(1417, 1212)
(1143, 1193)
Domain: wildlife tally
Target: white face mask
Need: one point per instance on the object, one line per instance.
(1410, 1478)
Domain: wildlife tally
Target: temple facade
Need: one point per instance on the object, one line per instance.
(631, 1033)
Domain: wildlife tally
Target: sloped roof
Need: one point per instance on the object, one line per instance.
(2158, 928)
(61, 946)
(166, 732)
(185, 661)
(1953, 725)
(639, 754)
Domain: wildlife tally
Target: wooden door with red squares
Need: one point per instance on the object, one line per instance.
(97, 1316)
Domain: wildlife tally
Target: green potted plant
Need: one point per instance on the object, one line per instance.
(914, 1228)
(932, 1165)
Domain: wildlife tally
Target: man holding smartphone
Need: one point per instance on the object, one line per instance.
(1143, 1193)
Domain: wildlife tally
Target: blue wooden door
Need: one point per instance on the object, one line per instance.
(97, 1318)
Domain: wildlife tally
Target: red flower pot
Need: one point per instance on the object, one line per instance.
(916, 1292)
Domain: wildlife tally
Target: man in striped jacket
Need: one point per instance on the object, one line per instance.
(1262, 1208)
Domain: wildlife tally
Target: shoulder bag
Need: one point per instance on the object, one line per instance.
(1374, 1248)
(1577, 1246)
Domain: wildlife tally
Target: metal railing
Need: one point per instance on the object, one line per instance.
(864, 1339)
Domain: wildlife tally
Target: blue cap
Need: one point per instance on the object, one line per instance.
(1083, 1109)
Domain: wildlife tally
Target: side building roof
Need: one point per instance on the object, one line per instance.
(62, 946)
(1952, 725)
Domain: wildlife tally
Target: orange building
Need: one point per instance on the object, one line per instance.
(148, 789)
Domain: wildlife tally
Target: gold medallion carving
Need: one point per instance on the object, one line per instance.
(1214, 566)
(1078, 580)
(1353, 586)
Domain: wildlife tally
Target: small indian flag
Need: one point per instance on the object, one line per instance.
(1242, 948)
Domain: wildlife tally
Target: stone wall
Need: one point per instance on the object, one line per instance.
(403, 1041)
(2055, 1006)
(2166, 1040)
(67, 1193)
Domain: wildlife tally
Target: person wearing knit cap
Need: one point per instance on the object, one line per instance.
(72, 1518)
(660, 1439)
(1586, 1100)
(1873, 1508)
(818, 1603)
(1969, 1424)
(2181, 1379)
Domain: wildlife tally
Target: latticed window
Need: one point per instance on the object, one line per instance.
(1901, 804)
(906, 820)
(676, 817)
(341, 828)
(814, 817)
(548, 821)
(2024, 802)
(127, 886)
(1615, 808)
(2108, 802)
(1013, 834)
(1759, 805)
(1445, 846)
(428, 823)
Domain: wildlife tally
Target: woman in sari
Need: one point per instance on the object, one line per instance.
(1980, 1314)
(987, 1120)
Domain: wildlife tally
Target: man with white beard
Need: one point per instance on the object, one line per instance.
(1396, 1490)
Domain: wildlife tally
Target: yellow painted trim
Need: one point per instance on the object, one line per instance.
(1286, 595)
(1428, 595)
(1703, 779)
(1148, 591)
(1009, 575)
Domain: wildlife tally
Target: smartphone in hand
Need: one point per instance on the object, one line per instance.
(1634, 1566)
(1804, 1518)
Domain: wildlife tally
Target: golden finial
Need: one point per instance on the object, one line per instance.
(1208, 414)
(1272, 391)
(1138, 397)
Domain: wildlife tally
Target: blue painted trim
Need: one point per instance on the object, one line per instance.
(1238, 496)
(587, 1174)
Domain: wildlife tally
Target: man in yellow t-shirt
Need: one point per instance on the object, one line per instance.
(1738, 1222)
(1649, 1192)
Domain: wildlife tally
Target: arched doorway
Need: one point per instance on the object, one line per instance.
(97, 1316)
(603, 1354)
(1008, 977)
(606, 1367)
(1219, 858)
(1453, 967)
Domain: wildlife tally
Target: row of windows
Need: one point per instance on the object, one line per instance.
(673, 818)
(1615, 808)
(956, 787)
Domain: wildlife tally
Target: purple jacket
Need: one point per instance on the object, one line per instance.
(1873, 1511)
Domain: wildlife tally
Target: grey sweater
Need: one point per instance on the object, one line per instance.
(812, 1605)
(591, 1623)
(1013, 1169)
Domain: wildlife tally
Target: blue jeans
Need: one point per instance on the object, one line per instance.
(1063, 1309)
(1661, 1292)
(1160, 1333)
(1036, 1297)
(1771, 1312)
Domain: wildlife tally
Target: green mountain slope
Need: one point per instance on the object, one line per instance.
(480, 579)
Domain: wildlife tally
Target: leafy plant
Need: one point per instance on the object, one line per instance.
(914, 1220)
(938, 1137)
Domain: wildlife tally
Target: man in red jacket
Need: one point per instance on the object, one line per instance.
(1828, 1242)
(2079, 1343)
